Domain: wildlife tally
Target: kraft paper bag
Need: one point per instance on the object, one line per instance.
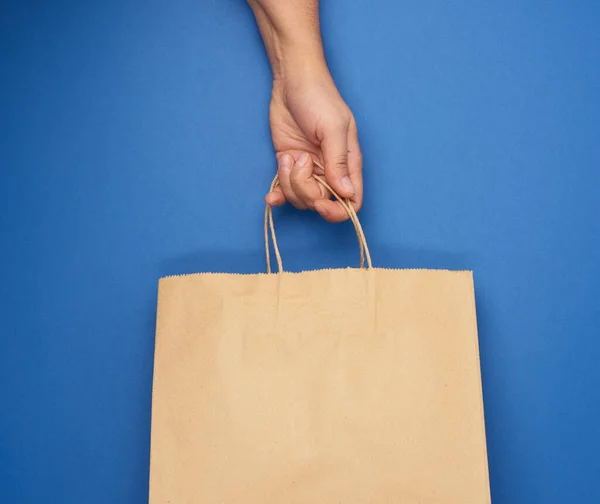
(334, 386)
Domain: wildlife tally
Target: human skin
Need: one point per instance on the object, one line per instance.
(311, 124)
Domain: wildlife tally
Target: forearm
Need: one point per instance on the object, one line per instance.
(291, 33)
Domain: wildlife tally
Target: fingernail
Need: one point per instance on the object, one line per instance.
(285, 162)
(348, 185)
(302, 159)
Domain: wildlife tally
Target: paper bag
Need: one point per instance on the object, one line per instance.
(334, 386)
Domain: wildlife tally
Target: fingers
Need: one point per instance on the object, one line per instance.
(331, 211)
(305, 187)
(298, 186)
(335, 152)
(286, 164)
(311, 193)
(343, 171)
(275, 197)
(296, 182)
(355, 165)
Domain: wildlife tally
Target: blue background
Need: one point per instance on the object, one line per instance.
(134, 144)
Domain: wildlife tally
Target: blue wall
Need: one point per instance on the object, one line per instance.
(134, 144)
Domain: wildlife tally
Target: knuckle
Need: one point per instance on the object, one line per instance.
(298, 204)
(309, 204)
(340, 162)
(294, 198)
(305, 194)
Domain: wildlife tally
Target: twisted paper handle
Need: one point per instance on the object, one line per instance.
(269, 226)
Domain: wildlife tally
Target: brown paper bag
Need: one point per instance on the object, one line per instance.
(334, 386)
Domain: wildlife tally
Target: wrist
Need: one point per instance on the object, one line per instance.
(296, 60)
(292, 39)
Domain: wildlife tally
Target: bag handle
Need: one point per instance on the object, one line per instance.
(270, 226)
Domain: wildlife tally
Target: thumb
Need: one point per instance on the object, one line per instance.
(335, 154)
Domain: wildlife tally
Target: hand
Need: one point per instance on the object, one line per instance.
(311, 122)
